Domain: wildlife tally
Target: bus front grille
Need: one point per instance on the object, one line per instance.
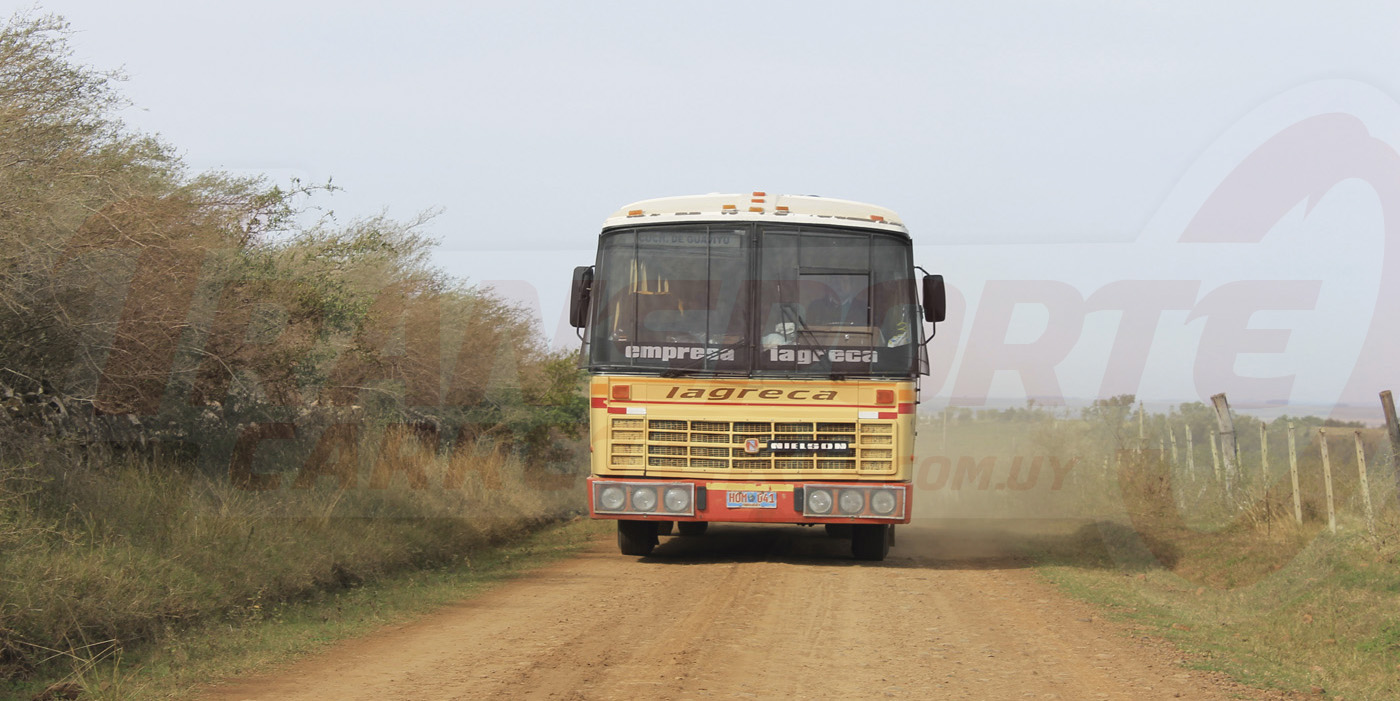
(710, 446)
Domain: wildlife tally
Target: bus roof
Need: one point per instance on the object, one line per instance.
(757, 206)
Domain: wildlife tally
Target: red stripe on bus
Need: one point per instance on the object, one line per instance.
(906, 408)
(810, 404)
(600, 403)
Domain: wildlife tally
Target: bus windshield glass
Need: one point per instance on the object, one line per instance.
(754, 300)
(674, 298)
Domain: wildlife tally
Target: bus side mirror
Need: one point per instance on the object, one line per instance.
(579, 294)
(935, 299)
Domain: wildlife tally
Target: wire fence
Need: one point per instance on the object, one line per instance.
(1290, 468)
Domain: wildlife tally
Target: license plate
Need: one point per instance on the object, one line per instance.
(751, 500)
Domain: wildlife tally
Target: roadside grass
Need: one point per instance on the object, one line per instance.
(1231, 579)
(262, 636)
(103, 557)
(1241, 602)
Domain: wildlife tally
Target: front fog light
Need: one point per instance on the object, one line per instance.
(677, 499)
(819, 501)
(644, 499)
(851, 501)
(883, 502)
(612, 498)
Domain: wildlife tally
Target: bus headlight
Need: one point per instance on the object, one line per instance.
(612, 497)
(883, 502)
(851, 501)
(677, 499)
(644, 499)
(819, 501)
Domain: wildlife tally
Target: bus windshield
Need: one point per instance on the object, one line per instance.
(751, 300)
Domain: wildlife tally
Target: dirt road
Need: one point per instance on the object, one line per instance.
(760, 613)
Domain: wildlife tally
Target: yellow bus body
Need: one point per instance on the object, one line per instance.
(702, 428)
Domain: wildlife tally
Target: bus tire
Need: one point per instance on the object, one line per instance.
(870, 541)
(838, 530)
(636, 537)
(692, 528)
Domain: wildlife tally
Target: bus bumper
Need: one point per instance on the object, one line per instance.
(726, 501)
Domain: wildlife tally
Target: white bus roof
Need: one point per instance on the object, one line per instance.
(757, 206)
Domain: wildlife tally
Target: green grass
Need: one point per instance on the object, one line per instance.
(264, 636)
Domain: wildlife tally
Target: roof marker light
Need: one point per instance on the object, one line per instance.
(876, 217)
(755, 209)
(634, 213)
(729, 206)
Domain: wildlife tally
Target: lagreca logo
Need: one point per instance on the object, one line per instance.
(720, 394)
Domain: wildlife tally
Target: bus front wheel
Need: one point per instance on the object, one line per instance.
(636, 537)
(870, 541)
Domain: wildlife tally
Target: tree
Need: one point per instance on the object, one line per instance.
(1109, 418)
(134, 287)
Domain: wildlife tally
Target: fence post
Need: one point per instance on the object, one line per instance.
(1365, 485)
(1327, 479)
(1264, 451)
(1215, 453)
(1190, 454)
(1293, 470)
(1171, 432)
(1388, 404)
(1228, 445)
(1264, 457)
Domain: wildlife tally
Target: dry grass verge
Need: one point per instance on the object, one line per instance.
(1273, 603)
(100, 557)
(188, 660)
(1323, 622)
(1230, 577)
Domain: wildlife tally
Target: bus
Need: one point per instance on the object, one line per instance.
(752, 359)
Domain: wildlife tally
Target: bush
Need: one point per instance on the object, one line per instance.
(151, 319)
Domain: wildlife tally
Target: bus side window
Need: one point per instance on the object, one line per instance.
(893, 312)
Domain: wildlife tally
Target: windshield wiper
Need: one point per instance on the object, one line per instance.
(719, 350)
(799, 323)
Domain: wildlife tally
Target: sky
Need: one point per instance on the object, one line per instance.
(1060, 163)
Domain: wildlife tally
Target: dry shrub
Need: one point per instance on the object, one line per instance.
(203, 303)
